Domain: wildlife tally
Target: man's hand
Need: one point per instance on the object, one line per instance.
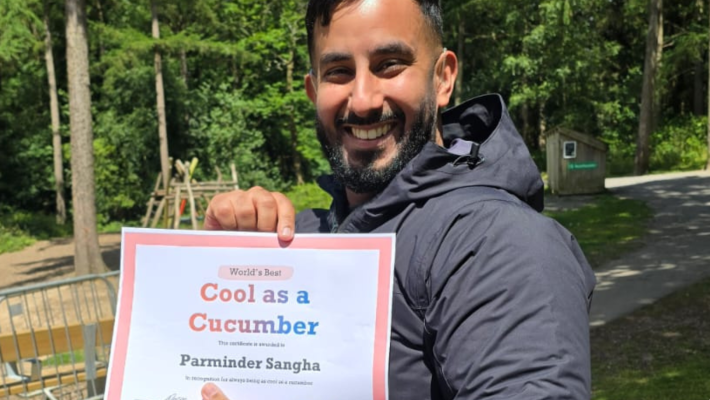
(211, 392)
(256, 210)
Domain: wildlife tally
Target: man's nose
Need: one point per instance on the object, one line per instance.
(366, 95)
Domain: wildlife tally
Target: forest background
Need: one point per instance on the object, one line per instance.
(232, 86)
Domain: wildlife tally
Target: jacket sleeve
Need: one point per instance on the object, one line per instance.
(508, 312)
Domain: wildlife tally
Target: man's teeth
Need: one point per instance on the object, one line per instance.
(369, 134)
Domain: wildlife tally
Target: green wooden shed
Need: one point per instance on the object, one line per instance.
(576, 162)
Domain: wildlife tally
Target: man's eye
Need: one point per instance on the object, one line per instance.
(336, 72)
(390, 66)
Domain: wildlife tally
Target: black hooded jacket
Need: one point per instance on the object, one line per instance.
(490, 296)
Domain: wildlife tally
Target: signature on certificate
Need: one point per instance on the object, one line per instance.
(173, 396)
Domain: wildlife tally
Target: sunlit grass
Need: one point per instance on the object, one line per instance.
(608, 227)
(64, 358)
(13, 239)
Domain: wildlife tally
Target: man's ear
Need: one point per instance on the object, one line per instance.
(446, 77)
(310, 85)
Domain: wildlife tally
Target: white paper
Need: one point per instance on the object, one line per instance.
(261, 320)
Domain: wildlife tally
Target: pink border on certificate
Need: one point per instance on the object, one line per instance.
(383, 244)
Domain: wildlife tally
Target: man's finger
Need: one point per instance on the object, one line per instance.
(286, 225)
(266, 211)
(243, 213)
(219, 215)
(211, 392)
(211, 223)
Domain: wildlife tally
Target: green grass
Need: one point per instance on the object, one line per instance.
(116, 226)
(64, 359)
(39, 226)
(608, 227)
(19, 229)
(13, 239)
(660, 352)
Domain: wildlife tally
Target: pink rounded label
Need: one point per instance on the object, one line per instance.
(255, 272)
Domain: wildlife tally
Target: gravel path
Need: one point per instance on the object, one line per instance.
(676, 252)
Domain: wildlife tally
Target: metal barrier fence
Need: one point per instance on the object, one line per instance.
(55, 338)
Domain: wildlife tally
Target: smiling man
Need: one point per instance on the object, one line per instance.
(372, 87)
(490, 297)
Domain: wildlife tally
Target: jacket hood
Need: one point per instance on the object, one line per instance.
(481, 148)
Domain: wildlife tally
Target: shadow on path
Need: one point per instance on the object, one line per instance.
(51, 260)
(676, 251)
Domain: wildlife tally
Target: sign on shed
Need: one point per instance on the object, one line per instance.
(576, 162)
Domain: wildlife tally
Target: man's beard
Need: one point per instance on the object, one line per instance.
(365, 178)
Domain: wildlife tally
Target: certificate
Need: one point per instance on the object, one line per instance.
(262, 319)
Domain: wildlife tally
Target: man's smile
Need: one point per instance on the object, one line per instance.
(369, 133)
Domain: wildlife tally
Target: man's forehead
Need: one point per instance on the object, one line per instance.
(355, 21)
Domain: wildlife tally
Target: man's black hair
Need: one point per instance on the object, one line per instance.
(322, 10)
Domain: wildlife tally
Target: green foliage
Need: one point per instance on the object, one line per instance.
(606, 228)
(681, 145)
(13, 239)
(308, 195)
(38, 226)
(117, 226)
(233, 73)
(223, 135)
(19, 229)
(17, 21)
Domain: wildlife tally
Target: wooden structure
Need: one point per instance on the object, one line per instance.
(45, 343)
(184, 196)
(576, 162)
(55, 338)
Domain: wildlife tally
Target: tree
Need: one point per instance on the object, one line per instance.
(54, 112)
(707, 165)
(160, 100)
(87, 255)
(654, 44)
(460, 53)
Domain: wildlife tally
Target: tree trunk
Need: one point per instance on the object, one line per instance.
(54, 112)
(658, 89)
(183, 74)
(183, 66)
(542, 125)
(654, 41)
(87, 255)
(698, 101)
(102, 46)
(160, 100)
(707, 165)
(525, 118)
(698, 88)
(291, 119)
(460, 48)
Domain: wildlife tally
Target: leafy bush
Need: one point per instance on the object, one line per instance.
(221, 135)
(681, 145)
(620, 160)
(540, 158)
(308, 195)
(13, 239)
(19, 229)
(36, 225)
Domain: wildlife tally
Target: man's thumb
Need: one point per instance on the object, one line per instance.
(211, 392)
